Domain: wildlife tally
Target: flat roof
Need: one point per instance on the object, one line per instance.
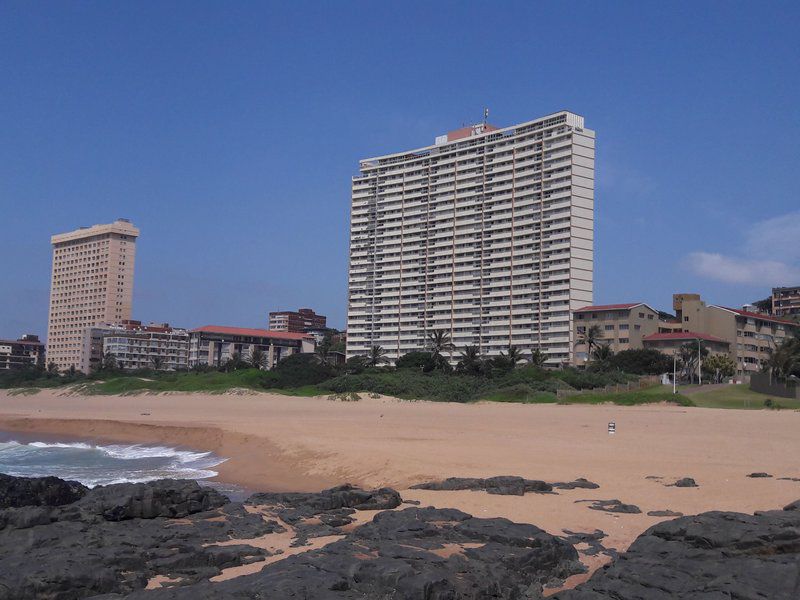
(251, 332)
(683, 335)
(752, 315)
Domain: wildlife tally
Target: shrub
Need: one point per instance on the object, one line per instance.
(298, 370)
(641, 362)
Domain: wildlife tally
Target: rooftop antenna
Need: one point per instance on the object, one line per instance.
(485, 115)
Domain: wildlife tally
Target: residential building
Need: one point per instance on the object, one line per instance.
(671, 342)
(622, 327)
(155, 346)
(748, 337)
(91, 284)
(21, 353)
(300, 321)
(786, 301)
(214, 345)
(487, 234)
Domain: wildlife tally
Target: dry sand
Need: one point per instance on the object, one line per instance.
(278, 443)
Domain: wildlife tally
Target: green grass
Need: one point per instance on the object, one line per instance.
(650, 395)
(738, 396)
(212, 382)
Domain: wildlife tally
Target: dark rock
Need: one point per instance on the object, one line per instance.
(758, 475)
(613, 506)
(664, 513)
(504, 485)
(16, 492)
(793, 506)
(592, 539)
(579, 483)
(412, 502)
(789, 478)
(436, 554)
(163, 498)
(343, 496)
(713, 556)
(685, 482)
(76, 551)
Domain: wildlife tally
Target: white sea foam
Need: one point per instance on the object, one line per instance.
(105, 464)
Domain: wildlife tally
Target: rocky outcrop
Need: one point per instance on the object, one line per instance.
(613, 506)
(664, 513)
(504, 485)
(685, 482)
(709, 556)
(166, 498)
(38, 491)
(436, 554)
(759, 475)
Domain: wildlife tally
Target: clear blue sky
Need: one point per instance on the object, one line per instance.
(228, 132)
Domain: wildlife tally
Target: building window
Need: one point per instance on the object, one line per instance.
(623, 340)
(623, 326)
(609, 328)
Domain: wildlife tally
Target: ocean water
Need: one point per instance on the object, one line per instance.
(101, 464)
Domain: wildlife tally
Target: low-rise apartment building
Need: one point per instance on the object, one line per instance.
(214, 345)
(622, 326)
(135, 346)
(786, 301)
(748, 336)
(300, 321)
(21, 353)
(670, 342)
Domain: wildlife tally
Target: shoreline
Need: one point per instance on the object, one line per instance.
(288, 443)
(284, 472)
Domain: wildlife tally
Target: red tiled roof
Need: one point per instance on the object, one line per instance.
(752, 315)
(609, 307)
(682, 335)
(267, 333)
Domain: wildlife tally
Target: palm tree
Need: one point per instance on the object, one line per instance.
(257, 358)
(514, 356)
(784, 359)
(601, 357)
(376, 356)
(439, 341)
(471, 361)
(323, 349)
(157, 362)
(52, 368)
(591, 338)
(537, 358)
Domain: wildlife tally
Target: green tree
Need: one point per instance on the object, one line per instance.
(719, 366)
(418, 360)
(688, 357)
(471, 363)
(439, 342)
(52, 368)
(109, 363)
(376, 356)
(537, 358)
(258, 358)
(784, 359)
(644, 361)
(591, 338)
(157, 362)
(601, 357)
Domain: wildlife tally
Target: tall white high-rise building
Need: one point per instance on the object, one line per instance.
(92, 283)
(487, 235)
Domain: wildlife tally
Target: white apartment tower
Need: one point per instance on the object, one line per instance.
(91, 284)
(487, 234)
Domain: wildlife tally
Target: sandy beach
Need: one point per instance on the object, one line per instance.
(281, 443)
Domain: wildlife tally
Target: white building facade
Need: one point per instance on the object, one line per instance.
(487, 235)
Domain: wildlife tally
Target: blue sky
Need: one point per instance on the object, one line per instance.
(228, 132)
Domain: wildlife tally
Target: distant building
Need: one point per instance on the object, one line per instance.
(300, 321)
(22, 353)
(135, 346)
(91, 284)
(786, 301)
(214, 345)
(749, 337)
(623, 326)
